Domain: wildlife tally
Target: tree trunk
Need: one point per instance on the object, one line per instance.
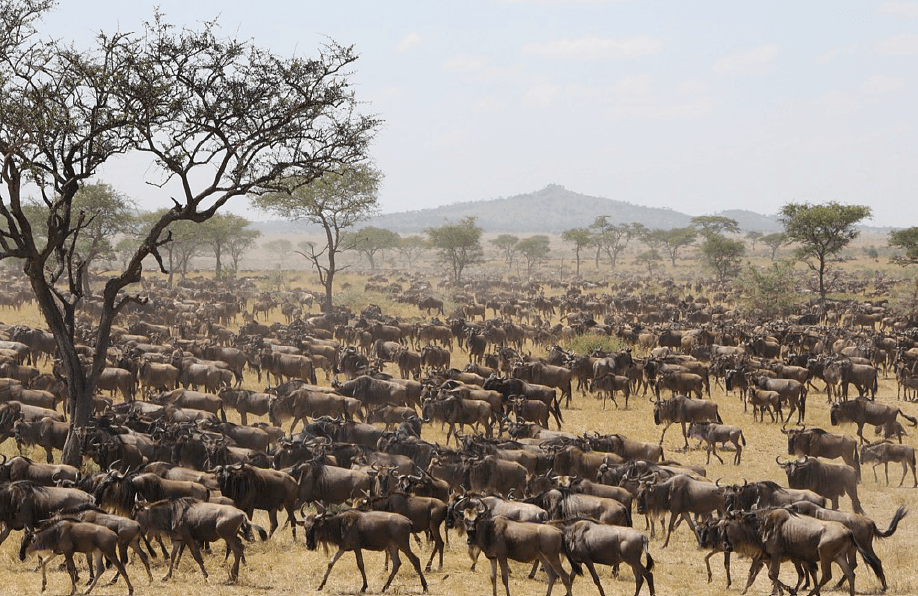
(217, 268)
(577, 252)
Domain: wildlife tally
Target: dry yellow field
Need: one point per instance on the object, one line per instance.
(282, 566)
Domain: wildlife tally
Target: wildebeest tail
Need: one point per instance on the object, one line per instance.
(556, 408)
(247, 533)
(647, 552)
(857, 462)
(911, 419)
(871, 559)
(576, 568)
(897, 517)
(719, 419)
(742, 438)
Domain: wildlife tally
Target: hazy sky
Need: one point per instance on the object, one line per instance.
(696, 105)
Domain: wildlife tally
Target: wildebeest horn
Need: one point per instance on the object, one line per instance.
(777, 461)
(4, 460)
(717, 482)
(111, 466)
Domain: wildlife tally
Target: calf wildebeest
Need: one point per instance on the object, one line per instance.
(887, 451)
(129, 531)
(819, 443)
(608, 384)
(358, 530)
(588, 542)
(66, 537)
(713, 433)
(763, 400)
(684, 409)
(861, 411)
(501, 539)
(190, 522)
(808, 539)
(824, 478)
(864, 528)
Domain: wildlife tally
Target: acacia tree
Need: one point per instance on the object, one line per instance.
(336, 201)
(768, 292)
(580, 238)
(753, 236)
(906, 239)
(714, 224)
(370, 240)
(672, 240)
(218, 117)
(458, 245)
(613, 239)
(229, 233)
(774, 241)
(506, 244)
(534, 249)
(722, 255)
(411, 247)
(822, 231)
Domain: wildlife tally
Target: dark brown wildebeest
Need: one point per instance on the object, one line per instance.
(887, 451)
(353, 530)
(121, 491)
(562, 503)
(864, 528)
(863, 411)
(811, 540)
(426, 514)
(624, 447)
(190, 522)
(679, 383)
(558, 377)
(764, 494)
(501, 539)
(434, 357)
(23, 468)
(819, 443)
(68, 536)
(24, 504)
(824, 478)
(253, 488)
(47, 433)
(129, 532)
(713, 433)
(494, 475)
(792, 392)
(327, 484)
(683, 409)
(590, 543)
(608, 384)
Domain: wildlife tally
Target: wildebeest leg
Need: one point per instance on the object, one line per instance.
(663, 434)
(71, 569)
(438, 546)
(43, 563)
(754, 568)
(392, 552)
(272, 515)
(589, 564)
(335, 558)
(176, 544)
(504, 575)
(535, 568)
(143, 558)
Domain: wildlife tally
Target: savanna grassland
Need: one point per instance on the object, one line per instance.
(283, 566)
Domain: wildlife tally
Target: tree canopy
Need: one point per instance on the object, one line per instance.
(822, 231)
(722, 255)
(580, 238)
(370, 240)
(534, 249)
(672, 240)
(715, 224)
(907, 240)
(217, 117)
(458, 245)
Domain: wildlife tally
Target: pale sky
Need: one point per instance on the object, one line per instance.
(695, 105)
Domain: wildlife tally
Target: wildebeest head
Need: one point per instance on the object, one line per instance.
(473, 518)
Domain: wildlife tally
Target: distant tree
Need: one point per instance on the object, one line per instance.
(221, 232)
(672, 240)
(458, 245)
(580, 238)
(281, 248)
(907, 240)
(649, 258)
(124, 250)
(370, 240)
(715, 224)
(768, 292)
(774, 241)
(872, 253)
(722, 255)
(336, 201)
(411, 247)
(753, 237)
(822, 231)
(506, 244)
(534, 249)
(241, 243)
(612, 239)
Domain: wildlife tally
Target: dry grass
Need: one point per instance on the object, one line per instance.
(282, 566)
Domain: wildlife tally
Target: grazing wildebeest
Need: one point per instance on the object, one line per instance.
(67, 536)
(358, 530)
(887, 451)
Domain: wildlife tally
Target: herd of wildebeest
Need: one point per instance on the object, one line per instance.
(168, 465)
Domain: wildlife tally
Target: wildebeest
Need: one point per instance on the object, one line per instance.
(129, 531)
(763, 400)
(863, 411)
(562, 503)
(608, 384)
(764, 494)
(326, 484)
(684, 409)
(23, 468)
(819, 443)
(501, 539)
(824, 478)
(887, 451)
(24, 504)
(713, 433)
(253, 488)
(426, 514)
(792, 392)
(864, 528)
(66, 537)
(589, 543)
(680, 496)
(190, 522)
(363, 530)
